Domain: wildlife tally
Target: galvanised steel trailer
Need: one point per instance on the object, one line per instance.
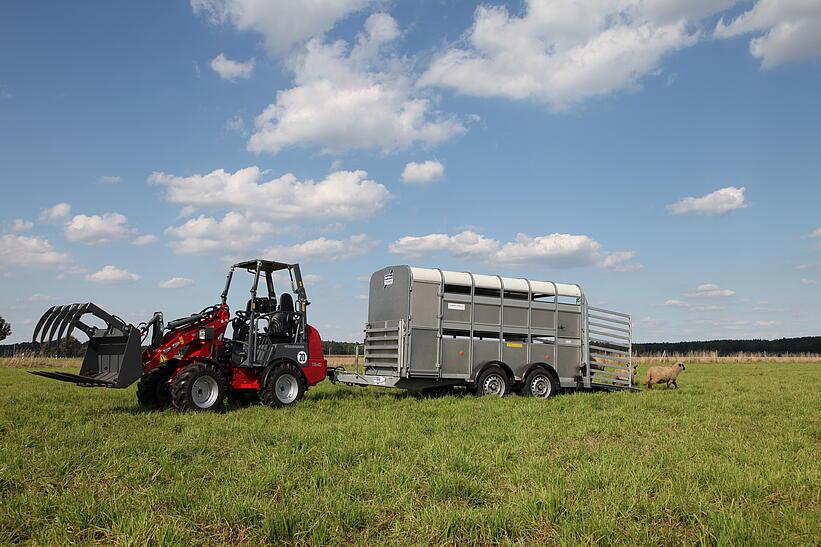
(429, 328)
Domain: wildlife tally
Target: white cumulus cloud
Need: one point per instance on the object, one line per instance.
(556, 250)
(809, 282)
(57, 212)
(282, 23)
(816, 233)
(787, 30)
(231, 70)
(559, 250)
(176, 283)
(673, 303)
(463, 245)
(324, 249)
(237, 125)
(112, 274)
(352, 97)
(562, 52)
(719, 202)
(710, 290)
(207, 235)
(29, 251)
(341, 195)
(97, 229)
(424, 172)
(146, 239)
(619, 261)
(20, 225)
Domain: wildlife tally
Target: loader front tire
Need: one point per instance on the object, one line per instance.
(153, 390)
(199, 386)
(284, 386)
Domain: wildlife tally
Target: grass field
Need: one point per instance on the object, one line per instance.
(732, 457)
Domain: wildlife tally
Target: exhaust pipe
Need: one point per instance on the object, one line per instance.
(113, 357)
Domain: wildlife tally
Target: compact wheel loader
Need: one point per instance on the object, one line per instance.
(273, 356)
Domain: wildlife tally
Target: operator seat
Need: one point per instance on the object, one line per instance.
(242, 326)
(282, 321)
(286, 303)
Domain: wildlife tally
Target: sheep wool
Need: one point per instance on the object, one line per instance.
(663, 375)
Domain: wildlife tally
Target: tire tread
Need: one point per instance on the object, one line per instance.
(268, 394)
(181, 387)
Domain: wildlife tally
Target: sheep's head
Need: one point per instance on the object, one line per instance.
(681, 366)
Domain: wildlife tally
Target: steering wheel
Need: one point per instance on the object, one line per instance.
(242, 314)
(207, 310)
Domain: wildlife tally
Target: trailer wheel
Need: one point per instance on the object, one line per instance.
(493, 381)
(284, 386)
(153, 390)
(199, 386)
(540, 383)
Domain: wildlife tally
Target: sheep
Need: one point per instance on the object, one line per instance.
(667, 375)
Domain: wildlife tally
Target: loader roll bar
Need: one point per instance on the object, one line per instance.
(224, 295)
(252, 319)
(302, 298)
(268, 267)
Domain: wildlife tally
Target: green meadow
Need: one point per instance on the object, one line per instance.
(731, 457)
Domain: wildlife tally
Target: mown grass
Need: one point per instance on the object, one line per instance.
(729, 458)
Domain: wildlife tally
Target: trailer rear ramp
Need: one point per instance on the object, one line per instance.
(610, 351)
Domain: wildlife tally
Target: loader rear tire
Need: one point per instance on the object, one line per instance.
(153, 390)
(284, 386)
(199, 386)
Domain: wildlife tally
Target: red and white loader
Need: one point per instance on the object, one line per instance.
(274, 355)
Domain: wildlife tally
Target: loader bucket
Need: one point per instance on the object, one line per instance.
(113, 355)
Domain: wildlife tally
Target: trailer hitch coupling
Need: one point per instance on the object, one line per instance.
(113, 356)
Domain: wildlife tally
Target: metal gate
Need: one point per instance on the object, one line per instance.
(610, 350)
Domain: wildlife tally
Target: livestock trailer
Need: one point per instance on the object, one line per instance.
(430, 328)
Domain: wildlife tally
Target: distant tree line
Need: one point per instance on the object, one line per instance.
(781, 346)
(73, 348)
(332, 347)
(66, 347)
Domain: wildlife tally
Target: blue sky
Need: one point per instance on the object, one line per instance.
(664, 155)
